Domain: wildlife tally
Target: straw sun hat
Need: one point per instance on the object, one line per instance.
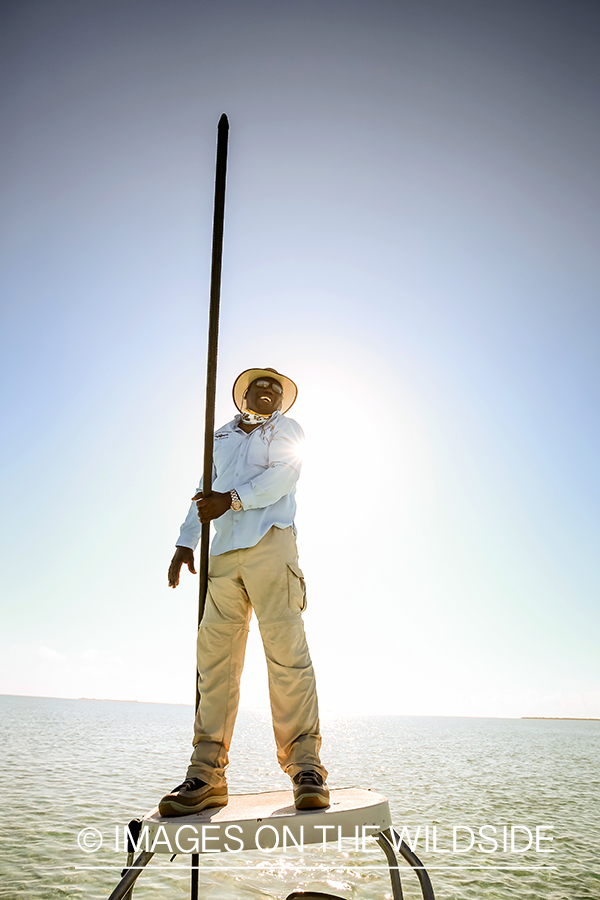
(243, 382)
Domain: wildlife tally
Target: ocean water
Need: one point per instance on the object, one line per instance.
(68, 765)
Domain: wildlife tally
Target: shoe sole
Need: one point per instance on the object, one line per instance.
(172, 808)
(311, 801)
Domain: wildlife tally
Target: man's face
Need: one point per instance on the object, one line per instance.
(264, 396)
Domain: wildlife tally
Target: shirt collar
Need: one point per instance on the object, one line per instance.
(272, 418)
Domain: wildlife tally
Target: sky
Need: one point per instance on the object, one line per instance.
(411, 234)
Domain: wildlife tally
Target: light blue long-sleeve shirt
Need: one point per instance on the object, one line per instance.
(263, 467)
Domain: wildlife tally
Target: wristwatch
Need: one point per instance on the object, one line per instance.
(236, 503)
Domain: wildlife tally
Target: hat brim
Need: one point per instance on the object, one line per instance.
(243, 382)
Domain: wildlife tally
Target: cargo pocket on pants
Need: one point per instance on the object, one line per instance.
(296, 588)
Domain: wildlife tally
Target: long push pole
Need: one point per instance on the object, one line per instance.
(211, 384)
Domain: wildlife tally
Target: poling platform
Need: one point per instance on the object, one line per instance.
(270, 823)
(267, 822)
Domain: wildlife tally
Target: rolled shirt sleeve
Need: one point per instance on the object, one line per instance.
(285, 462)
(263, 467)
(189, 533)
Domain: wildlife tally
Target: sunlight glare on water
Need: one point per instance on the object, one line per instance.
(74, 764)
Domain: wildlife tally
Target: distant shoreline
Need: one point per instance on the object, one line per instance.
(561, 718)
(325, 711)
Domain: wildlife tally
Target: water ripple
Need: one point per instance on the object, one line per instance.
(74, 764)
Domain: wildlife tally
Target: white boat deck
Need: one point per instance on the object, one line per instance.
(267, 822)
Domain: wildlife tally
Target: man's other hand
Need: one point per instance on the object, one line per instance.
(213, 506)
(183, 556)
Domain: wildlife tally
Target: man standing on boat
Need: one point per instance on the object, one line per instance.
(253, 565)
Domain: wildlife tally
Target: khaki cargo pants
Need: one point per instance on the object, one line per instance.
(265, 578)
